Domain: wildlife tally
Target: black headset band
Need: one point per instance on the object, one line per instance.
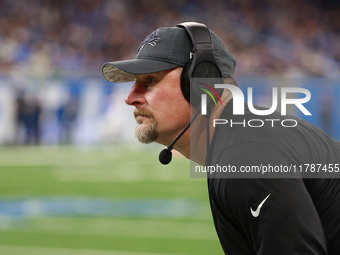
(202, 44)
(198, 32)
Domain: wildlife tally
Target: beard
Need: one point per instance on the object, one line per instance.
(147, 133)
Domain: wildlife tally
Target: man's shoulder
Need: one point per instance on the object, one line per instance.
(282, 133)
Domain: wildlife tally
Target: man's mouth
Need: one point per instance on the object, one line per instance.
(139, 118)
(140, 114)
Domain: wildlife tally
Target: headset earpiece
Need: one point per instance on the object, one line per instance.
(202, 63)
(185, 80)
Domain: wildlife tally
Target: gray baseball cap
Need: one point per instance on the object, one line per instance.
(163, 49)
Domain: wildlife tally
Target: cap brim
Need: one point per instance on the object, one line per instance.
(124, 71)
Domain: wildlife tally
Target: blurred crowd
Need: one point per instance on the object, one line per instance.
(51, 38)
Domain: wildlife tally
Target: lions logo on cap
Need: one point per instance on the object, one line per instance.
(151, 39)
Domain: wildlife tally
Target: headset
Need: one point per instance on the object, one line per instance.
(202, 64)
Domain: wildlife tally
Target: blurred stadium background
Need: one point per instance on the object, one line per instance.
(73, 179)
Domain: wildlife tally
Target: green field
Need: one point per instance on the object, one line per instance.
(101, 200)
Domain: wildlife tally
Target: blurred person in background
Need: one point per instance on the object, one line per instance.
(67, 117)
(31, 114)
(19, 109)
(27, 118)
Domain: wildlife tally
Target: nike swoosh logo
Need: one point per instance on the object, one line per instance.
(256, 213)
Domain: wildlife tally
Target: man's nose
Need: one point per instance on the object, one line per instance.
(136, 95)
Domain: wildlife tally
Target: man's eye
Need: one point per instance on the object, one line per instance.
(150, 80)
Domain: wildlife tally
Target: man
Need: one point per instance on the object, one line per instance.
(296, 214)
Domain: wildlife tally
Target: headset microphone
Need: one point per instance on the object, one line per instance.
(166, 155)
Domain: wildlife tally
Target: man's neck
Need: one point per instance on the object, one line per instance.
(218, 110)
(194, 144)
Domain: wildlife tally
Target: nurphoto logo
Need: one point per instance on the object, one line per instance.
(239, 99)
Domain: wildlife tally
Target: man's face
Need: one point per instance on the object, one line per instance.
(161, 110)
